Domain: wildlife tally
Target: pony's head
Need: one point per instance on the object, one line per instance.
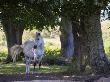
(38, 35)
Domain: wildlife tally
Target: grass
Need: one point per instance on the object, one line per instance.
(19, 68)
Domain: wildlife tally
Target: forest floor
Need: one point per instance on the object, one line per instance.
(16, 72)
(52, 76)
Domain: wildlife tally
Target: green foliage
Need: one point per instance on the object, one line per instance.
(54, 51)
(106, 37)
(3, 55)
(29, 15)
(40, 14)
(106, 32)
(53, 57)
(107, 51)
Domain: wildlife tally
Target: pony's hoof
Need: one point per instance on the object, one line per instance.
(33, 72)
(27, 73)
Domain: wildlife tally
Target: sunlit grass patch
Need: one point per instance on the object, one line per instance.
(3, 53)
(19, 68)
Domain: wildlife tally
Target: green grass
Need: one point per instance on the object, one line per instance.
(19, 68)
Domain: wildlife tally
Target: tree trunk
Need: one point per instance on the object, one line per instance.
(13, 34)
(81, 47)
(66, 38)
(98, 59)
(76, 57)
(89, 48)
(19, 33)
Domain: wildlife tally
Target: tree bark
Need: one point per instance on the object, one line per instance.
(19, 33)
(76, 57)
(13, 34)
(66, 38)
(81, 47)
(98, 59)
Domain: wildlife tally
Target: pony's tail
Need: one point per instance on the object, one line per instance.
(16, 50)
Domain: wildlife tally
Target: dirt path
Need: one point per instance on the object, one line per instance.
(47, 81)
(48, 76)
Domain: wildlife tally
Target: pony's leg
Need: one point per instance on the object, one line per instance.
(14, 58)
(29, 65)
(39, 64)
(34, 63)
(40, 61)
(26, 66)
(28, 60)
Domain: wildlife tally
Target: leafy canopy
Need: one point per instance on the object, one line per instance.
(44, 13)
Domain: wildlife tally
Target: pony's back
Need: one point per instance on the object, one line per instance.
(27, 48)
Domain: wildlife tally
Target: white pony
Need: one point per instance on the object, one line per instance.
(32, 49)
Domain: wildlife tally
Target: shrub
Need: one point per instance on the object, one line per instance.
(52, 57)
(107, 50)
(3, 56)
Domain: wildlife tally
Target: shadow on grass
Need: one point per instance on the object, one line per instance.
(16, 72)
(19, 68)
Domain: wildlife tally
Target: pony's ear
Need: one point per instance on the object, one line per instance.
(36, 33)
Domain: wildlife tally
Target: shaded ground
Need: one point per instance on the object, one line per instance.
(46, 76)
(19, 68)
(16, 72)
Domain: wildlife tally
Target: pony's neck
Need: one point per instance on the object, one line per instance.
(38, 38)
(21, 46)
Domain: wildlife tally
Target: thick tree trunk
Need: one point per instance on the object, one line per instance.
(13, 34)
(76, 57)
(81, 48)
(98, 59)
(66, 38)
(19, 33)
